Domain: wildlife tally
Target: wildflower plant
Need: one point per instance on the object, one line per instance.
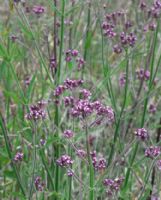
(80, 99)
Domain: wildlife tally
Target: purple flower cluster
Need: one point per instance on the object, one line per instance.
(53, 63)
(81, 153)
(142, 133)
(113, 185)
(117, 48)
(59, 90)
(122, 80)
(124, 38)
(37, 9)
(152, 108)
(108, 29)
(152, 151)
(98, 163)
(68, 101)
(18, 157)
(128, 39)
(64, 161)
(84, 107)
(69, 84)
(39, 184)
(37, 111)
(73, 53)
(81, 62)
(27, 81)
(68, 134)
(42, 142)
(14, 38)
(70, 172)
(153, 12)
(143, 74)
(85, 94)
(70, 53)
(110, 23)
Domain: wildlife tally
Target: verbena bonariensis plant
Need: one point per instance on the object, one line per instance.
(80, 100)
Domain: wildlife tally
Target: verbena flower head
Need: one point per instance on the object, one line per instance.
(117, 49)
(59, 90)
(74, 52)
(143, 74)
(71, 83)
(152, 151)
(68, 134)
(142, 133)
(70, 172)
(85, 93)
(152, 108)
(64, 161)
(113, 185)
(39, 184)
(18, 157)
(82, 108)
(101, 164)
(53, 63)
(27, 81)
(81, 62)
(37, 111)
(14, 38)
(122, 80)
(69, 101)
(98, 163)
(81, 153)
(42, 142)
(152, 26)
(37, 9)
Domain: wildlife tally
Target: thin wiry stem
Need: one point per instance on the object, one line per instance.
(57, 148)
(91, 168)
(34, 162)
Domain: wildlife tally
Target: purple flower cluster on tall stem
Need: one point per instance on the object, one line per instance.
(68, 85)
(37, 9)
(143, 74)
(18, 157)
(100, 163)
(64, 161)
(37, 111)
(74, 54)
(152, 151)
(125, 38)
(113, 185)
(39, 184)
(68, 134)
(152, 108)
(142, 134)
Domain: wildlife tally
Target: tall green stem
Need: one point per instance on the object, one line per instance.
(34, 161)
(91, 169)
(57, 148)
